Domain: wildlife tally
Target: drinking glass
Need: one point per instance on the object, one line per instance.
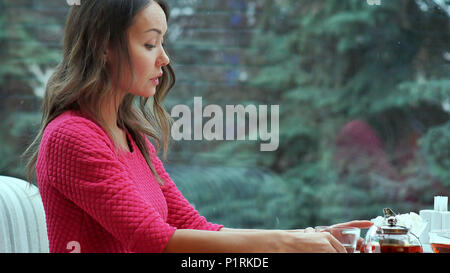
(348, 236)
(440, 241)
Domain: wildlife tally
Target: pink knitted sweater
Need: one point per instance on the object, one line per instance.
(98, 201)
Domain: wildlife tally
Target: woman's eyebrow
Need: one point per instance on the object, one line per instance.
(154, 29)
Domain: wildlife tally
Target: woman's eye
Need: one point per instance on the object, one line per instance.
(148, 46)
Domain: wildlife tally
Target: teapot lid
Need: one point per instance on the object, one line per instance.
(391, 227)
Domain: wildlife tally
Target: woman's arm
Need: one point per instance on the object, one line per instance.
(257, 240)
(203, 241)
(260, 241)
(224, 229)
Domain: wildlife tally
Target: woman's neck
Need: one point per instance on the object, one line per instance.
(109, 114)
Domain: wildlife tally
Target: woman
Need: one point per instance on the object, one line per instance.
(103, 187)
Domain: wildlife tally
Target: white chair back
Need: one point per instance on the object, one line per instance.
(22, 218)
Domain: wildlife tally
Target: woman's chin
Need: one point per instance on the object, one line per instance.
(149, 92)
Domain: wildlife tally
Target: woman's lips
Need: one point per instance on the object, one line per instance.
(155, 81)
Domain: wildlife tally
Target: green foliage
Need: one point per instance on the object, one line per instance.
(330, 62)
(223, 196)
(21, 47)
(436, 148)
(20, 127)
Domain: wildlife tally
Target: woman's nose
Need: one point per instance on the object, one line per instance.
(163, 59)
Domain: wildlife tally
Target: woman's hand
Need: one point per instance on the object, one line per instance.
(293, 240)
(307, 241)
(362, 224)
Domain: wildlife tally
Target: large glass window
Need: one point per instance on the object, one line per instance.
(287, 113)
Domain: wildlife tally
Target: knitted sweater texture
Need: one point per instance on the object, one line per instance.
(97, 200)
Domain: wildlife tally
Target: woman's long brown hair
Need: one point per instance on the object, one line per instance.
(82, 82)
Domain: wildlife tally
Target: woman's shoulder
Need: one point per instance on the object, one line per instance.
(74, 126)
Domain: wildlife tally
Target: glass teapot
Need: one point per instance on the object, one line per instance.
(390, 238)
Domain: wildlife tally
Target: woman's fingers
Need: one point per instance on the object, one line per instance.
(356, 223)
(359, 243)
(335, 243)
